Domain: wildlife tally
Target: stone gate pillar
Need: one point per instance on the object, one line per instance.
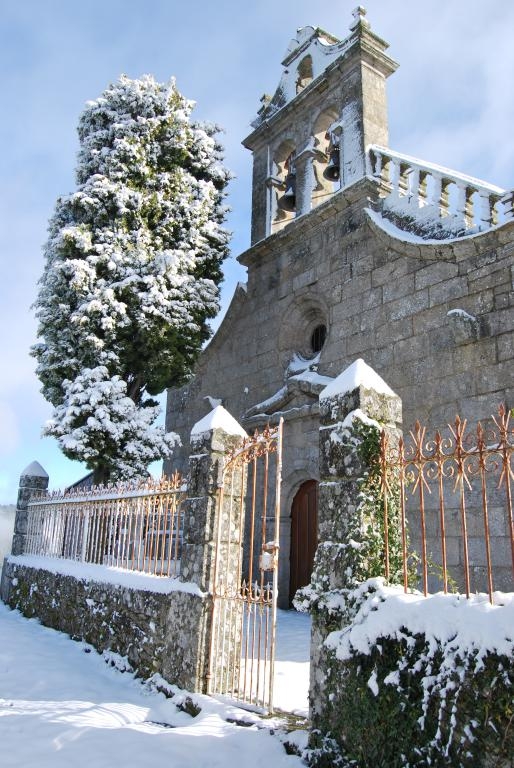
(211, 439)
(358, 396)
(32, 479)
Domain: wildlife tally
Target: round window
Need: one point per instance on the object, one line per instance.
(318, 338)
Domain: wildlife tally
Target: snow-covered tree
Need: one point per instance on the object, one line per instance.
(133, 265)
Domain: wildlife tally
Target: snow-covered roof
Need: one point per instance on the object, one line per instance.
(358, 374)
(218, 418)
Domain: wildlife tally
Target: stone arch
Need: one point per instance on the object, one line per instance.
(291, 484)
(326, 139)
(304, 73)
(283, 208)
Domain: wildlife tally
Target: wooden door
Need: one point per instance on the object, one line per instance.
(304, 536)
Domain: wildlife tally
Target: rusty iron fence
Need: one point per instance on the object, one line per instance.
(242, 653)
(135, 526)
(449, 491)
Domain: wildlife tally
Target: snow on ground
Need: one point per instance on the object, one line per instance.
(62, 705)
(291, 690)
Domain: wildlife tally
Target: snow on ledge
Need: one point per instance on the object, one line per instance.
(219, 418)
(462, 314)
(358, 374)
(105, 574)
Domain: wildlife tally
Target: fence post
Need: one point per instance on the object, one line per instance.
(211, 439)
(32, 479)
(357, 398)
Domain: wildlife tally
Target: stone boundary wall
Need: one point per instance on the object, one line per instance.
(157, 632)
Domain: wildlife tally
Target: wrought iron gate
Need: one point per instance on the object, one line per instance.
(242, 652)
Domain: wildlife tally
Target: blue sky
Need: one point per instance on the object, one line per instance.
(451, 102)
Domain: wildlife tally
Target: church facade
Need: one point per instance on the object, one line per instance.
(357, 251)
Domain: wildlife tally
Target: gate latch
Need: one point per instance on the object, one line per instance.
(268, 560)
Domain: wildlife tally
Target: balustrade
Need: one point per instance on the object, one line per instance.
(431, 193)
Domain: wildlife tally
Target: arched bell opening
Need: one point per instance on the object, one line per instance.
(284, 189)
(327, 158)
(304, 73)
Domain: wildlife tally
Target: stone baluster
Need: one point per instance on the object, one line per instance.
(394, 176)
(378, 164)
(464, 213)
(485, 210)
(413, 186)
(440, 194)
(403, 179)
(444, 200)
(422, 188)
(508, 202)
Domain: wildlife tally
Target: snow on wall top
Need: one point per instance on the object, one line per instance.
(218, 418)
(35, 470)
(358, 374)
(106, 574)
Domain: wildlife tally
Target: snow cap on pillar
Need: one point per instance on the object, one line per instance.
(218, 418)
(34, 470)
(359, 387)
(358, 374)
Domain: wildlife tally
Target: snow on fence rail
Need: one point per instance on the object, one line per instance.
(133, 526)
(456, 489)
(433, 194)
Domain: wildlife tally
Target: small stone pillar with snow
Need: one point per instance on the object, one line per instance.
(32, 479)
(357, 403)
(211, 439)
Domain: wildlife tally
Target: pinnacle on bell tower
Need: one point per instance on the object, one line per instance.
(310, 138)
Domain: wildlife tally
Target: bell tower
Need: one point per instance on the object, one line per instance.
(310, 139)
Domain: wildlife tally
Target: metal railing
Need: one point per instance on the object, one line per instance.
(137, 527)
(451, 489)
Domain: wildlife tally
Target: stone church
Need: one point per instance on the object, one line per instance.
(358, 251)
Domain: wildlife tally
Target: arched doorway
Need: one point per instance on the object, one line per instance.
(304, 536)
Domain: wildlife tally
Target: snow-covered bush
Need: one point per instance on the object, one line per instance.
(133, 264)
(415, 682)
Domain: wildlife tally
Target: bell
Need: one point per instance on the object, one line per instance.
(288, 200)
(332, 171)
